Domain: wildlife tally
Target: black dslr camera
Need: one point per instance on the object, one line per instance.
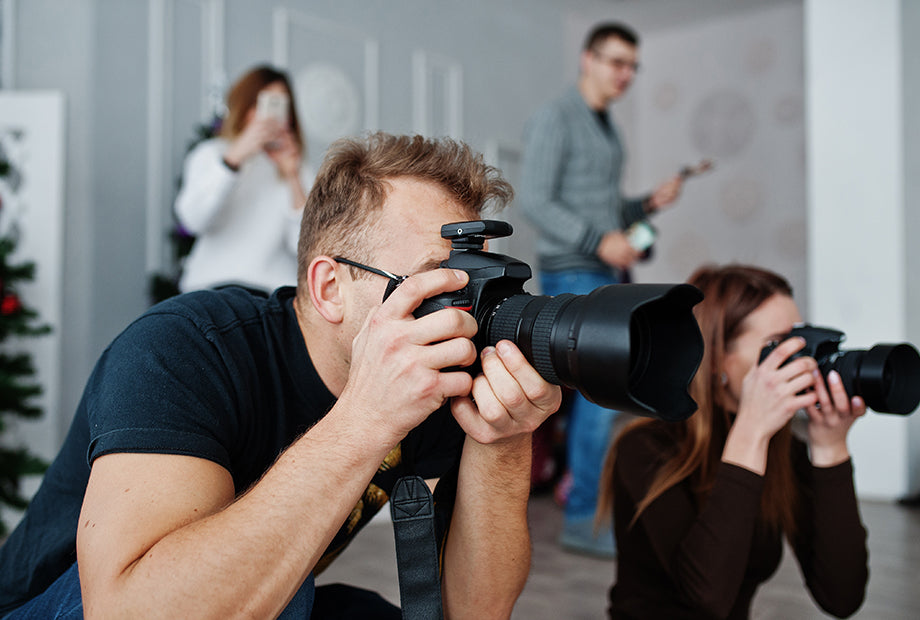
(631, 347)
(887, 376)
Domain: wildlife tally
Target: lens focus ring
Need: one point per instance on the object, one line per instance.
(528, 321)
(507, 317)
(542, 338)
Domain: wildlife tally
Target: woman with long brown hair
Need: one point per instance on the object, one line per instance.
(700, 507)
(243, 192)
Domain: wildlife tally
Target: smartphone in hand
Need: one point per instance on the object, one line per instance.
(271, 104)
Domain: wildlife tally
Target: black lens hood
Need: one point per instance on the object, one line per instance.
(887, 378)
(636, 347)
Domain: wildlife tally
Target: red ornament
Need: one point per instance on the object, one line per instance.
(10, 304)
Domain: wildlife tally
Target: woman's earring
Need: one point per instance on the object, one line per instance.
(724, 378)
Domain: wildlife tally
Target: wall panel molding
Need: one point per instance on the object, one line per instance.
(287, 21)
(437, 95)
(158, 90)
(160, 117)
(7, 44)
(213, 56)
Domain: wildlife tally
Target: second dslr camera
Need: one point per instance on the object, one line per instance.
(887, 376)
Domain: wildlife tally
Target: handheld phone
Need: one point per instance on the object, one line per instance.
(271, 104)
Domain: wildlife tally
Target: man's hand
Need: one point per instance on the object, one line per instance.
(397, 377)
(509, 398)
(616, 250)
(665, 194)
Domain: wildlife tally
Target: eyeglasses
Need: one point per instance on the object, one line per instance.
(615, 63)
(374, 270)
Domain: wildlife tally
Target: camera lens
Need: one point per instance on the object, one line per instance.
(887, 376)
(625, 346)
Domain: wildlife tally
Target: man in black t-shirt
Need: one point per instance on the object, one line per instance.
(228, 446)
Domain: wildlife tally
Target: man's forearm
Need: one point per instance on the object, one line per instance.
(248, 558)
(487, 557)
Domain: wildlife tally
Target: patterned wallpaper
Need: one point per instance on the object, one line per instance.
(731, 90)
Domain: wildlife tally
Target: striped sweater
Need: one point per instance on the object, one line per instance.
(570, 183)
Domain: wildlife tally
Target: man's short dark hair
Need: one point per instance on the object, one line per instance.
(608, 30)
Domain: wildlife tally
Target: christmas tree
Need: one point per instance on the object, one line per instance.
(17, 387)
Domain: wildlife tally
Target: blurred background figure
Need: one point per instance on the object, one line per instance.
(570, 192)
(243, 192)
(700, 507)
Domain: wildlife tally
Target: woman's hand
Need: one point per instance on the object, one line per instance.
(771, 393)
(286, 154)
(774, 390)
(830, 419)
(258, 133)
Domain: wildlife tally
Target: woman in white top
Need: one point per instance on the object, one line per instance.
(243, 192)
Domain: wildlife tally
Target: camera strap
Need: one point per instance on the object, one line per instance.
(412, 509)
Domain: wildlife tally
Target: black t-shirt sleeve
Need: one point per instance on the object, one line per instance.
(158, 389)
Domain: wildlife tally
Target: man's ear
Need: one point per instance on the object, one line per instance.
(583, 61)
(325, 289)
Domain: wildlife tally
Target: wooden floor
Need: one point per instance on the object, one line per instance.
(562, 585)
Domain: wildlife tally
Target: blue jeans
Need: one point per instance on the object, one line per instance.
(62, 601)
(589, 425)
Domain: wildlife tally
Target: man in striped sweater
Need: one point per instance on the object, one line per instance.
(570, 191)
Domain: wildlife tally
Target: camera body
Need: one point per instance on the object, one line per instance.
(493, 277)
(821, 343)
(887, 376)
(630, 347)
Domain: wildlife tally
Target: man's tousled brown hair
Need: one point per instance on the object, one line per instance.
(351, 186)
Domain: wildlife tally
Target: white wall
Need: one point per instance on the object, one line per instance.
(859, 276)
(729, 89)
(910, 21)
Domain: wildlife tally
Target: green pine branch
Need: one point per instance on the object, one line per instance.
(17, 392)
(21, 324)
